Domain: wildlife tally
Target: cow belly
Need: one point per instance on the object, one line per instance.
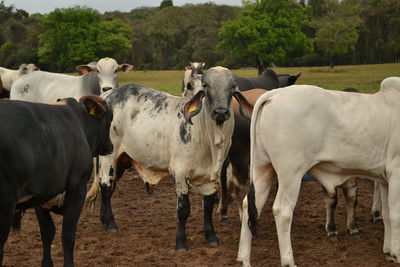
(149, 175)
(204, 189)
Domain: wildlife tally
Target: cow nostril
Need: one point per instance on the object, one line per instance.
(221, 111)
(105, 89)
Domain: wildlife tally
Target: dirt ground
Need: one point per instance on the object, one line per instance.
(147, 226)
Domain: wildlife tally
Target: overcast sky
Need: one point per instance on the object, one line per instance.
(46, 6)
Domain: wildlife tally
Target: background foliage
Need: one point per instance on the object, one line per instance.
(259, 34)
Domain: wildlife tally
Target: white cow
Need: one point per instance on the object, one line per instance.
(8, 76)
(334, 136)
(161, 135)
(41, 86)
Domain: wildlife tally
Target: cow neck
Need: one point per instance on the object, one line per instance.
(216, 137)
(88, 124)
(90, 84)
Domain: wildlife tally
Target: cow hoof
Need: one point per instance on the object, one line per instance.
(354, 232)
(223, 218)
(390, 257)
(376, 217)
(212, 239)
(182, 247)
(377, 220)
(111, 227)
(213, 244)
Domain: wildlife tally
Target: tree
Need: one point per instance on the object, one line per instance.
(337, 31)
(166, 3)
(78, 35)
(267, 31)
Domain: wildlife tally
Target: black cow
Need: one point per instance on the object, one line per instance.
(46, 154)
(267, 80)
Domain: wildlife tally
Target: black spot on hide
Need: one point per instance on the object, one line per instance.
(157, 98)
(184, 132)
(119, 96)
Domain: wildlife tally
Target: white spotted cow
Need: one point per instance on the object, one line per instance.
(45, 87)
(334, 136)
(161, 135)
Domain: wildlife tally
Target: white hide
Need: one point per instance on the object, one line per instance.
(333, 135)
(45, 87)
(8, 76)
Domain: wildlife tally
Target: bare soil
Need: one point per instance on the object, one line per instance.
(147, 226)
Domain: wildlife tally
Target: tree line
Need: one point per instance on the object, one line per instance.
(260, 34)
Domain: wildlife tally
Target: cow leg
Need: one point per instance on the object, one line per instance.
(47, 231)
(16, 224)
(183, 210)
(330, 199)
(376, 211)
(107, 185)
(224, 200)
(253, 204)
(6, 214)
(350, 192)
(209, 234)
(240, 192)
(106, 214)
(285, 201)
(73, 203)
(394, 217)
(386, 220)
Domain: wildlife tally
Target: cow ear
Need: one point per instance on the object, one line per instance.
(125, 67)
(188, 67)
(193, 106)
(85, 69)
(93, 107)
(246, 109)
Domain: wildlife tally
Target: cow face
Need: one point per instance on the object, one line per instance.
(106, 69)
(27, 68)
(219, 86)
(102, 116)
(193, 72)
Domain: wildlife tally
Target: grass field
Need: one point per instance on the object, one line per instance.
(366, 78)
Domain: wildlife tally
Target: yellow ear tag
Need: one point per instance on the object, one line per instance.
(92, 111)
(192, 109)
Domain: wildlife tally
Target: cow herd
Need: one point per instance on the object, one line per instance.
(55, 125)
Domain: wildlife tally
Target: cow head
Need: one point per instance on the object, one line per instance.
(195, 68)
(219, 86)
(106, 69)
(288, 79)
(27, 68)
(101, 116)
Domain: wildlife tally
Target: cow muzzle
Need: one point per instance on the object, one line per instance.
(220, 115)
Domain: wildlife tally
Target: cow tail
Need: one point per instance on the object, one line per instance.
(91, 196)
(251, 196)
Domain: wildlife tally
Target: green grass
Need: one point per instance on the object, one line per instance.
(366, 78)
